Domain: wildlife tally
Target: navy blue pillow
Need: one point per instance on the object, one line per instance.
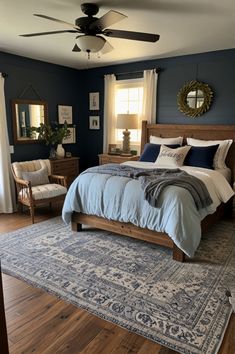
(151, 151)
(201, 156)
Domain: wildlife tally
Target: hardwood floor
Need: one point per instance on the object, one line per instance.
(40, 323)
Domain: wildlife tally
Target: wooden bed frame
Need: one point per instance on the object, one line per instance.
(206, 132)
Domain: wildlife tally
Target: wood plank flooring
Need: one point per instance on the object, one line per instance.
(40, 323)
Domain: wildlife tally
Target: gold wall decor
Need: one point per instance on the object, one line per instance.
(194, 98)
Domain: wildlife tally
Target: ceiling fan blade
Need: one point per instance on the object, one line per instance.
(45, 33)
(57, 20)
(106, 48)
(76, 48)
(107, 20)
(137, 36)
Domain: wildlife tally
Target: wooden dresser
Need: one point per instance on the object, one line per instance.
(68, 167)
(106, 158)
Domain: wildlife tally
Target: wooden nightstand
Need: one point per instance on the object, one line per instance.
(68, 167)
(106, 158)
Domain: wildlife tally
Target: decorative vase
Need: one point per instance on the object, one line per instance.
(52, 152)
(60, 151)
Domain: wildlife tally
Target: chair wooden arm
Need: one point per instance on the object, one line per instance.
(24, 191)
(62, 180)
(23, 182)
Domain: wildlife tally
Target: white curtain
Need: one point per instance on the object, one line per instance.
(6, 180)
(150, 96)
(109, 111)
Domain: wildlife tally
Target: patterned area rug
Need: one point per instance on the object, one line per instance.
(131, 283)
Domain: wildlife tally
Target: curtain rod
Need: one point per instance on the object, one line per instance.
(4, 75)
(137, 72)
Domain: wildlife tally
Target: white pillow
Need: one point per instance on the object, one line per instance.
(162, 141)
(37, 177)
(221, 152)
(172, 157)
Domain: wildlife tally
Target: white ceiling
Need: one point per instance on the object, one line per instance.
(184, 26)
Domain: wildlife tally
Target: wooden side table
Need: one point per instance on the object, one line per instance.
(68, 167)
(106, 158)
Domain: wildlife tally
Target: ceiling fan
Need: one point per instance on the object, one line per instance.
(92, 29)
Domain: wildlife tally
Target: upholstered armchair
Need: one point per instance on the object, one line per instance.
(36, 186)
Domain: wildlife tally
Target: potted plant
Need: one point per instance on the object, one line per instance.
(52, 135)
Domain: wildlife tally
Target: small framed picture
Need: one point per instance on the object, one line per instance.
(94, 104)
(71, 139)
(65, 113)
(112, 149)
(94, 122)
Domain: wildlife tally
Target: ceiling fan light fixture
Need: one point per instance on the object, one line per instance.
(88, 43)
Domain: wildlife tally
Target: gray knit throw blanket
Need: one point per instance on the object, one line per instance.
(153, 181)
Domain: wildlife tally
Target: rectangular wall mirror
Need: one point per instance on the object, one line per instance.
(26, 114)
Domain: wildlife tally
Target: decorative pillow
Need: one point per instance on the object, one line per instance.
(37, 177)
(172, 157)
(221, 153)
(165, 141)
(151, 152)
(201, 156)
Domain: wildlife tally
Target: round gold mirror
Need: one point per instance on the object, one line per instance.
(194, 99)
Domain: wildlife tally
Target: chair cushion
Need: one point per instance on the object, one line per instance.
(36, 177)
(45, 191)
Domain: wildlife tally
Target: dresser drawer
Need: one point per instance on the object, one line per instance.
(65, 166)
(105, 160)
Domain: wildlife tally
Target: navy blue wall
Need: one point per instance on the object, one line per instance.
(61, 85)
(53, 83)
(217, 69)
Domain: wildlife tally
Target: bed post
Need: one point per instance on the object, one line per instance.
(178, 255)
(76, 227)
(143, 134)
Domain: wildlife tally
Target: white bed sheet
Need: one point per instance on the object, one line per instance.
(226, 172)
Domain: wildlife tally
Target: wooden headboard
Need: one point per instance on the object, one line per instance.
(206, 132)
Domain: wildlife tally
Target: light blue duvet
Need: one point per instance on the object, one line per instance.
(122, 199)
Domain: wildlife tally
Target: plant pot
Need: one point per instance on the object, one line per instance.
(60, 151)
(52, 152)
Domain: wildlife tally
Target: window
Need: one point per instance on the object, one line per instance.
(129, 99)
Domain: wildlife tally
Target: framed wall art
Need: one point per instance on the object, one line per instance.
(94, 122)
(94, 104)
(65, 113)
(71, 139)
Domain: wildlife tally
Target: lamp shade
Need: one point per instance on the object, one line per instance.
(89, 43)
(127, 121)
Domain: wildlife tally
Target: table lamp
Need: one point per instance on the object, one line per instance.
(127, 121)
